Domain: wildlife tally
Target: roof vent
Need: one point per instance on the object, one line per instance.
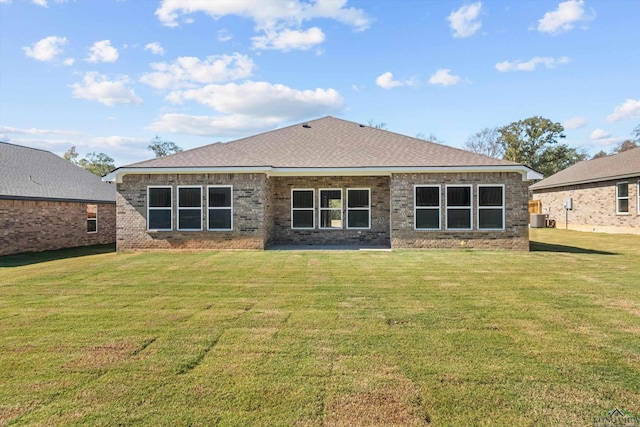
(306, 126)
(362, 126)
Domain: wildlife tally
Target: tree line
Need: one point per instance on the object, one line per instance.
(101, 164)
(534, 142)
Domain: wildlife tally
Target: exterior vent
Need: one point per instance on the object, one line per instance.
(306, 126)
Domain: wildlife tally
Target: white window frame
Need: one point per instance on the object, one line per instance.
(368, 209)
(618, 198)
(190, 208)
(503, 207)
(170, 208)
(92, 219)
(416, 207)
(321, 209)
(230, 207)
(469, 208)
(312, 209)
(638, 196)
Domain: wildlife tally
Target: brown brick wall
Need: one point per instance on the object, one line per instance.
(249, 232)
(378, 235)
(34, 226)
(594, 207)
(516, 233)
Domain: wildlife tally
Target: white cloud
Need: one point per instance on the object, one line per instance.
(69, 61)
(258, 99)
(465, 21)
(116, 141)
(531, 64)
(444, 77)
(46, 49)
(34, 131)
(187, 70)
(600, 134)
(629, 109)
(564, 17)
(286, 40)
(280, 21)
(385, 81)
(218, 126)
(155, 48)
(97, 87)
(102, 51)
(224, 36)
(575, 123)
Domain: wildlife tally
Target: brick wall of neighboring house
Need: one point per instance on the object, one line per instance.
(377, 235)
(34, 226)
(594, 207)
(249, 211)
(515, 236)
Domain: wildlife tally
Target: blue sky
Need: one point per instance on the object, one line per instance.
(109, 75)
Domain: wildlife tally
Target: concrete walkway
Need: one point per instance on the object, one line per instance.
(327, 248)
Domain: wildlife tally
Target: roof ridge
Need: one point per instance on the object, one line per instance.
(27, 147)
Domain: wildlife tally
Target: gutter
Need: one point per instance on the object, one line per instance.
(527, 173)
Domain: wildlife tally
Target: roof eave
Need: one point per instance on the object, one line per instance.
(584, 181)
(527, 173)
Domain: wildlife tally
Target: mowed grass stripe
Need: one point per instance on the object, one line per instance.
(550, 337)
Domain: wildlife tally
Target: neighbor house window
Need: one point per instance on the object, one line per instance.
(159, 208)
(490, 207)
(92, 218)
(189, 208)
(358, 208)
(220, 207)
(302, 208)
(459, 207)
(331, 209)
(638, 193)
(426, 207)
(622, 197)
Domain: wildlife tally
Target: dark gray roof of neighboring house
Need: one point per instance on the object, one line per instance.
(324, 143)
(33, 174)
(618, 166)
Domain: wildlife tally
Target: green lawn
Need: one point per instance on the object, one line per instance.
(310, 338)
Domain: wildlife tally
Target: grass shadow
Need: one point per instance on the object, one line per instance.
(550, 247)
(29, 258)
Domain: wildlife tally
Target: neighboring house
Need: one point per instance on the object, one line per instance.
(324, 182)
(47, 203)
(603, 194)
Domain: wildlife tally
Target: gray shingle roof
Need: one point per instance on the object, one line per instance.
(324, 143)
(622, 165)
(29, 173)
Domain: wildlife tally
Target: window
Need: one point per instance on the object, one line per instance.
(220, 207)
(358, 208)
(426, 212)
(159, 208)
(331, 209)
(622, 198)
(638, 193)
(92, 218)
(490, 207)
(189, 208)
(302, 208)
(459, 207)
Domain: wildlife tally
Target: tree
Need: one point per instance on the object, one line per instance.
(377, 125)
(71, 155)
(624, 146)
(534, 142)
(163, 148)
(636, 134)
(486, 141)
(600, 154)
(97, 163)
(431, 138)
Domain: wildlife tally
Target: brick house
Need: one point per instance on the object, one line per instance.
(324, 182)
(48, 203)
(604, 193)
